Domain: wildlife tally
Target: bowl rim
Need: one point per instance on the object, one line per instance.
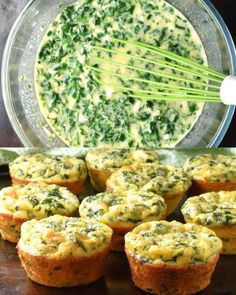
(218, 137)
(4, 72)
(15, 122)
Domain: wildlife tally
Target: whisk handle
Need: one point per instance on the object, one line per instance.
(228, 90)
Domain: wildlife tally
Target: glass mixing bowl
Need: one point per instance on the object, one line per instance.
(19, 60)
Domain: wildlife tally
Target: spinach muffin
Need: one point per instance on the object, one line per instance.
(33, 201)
(171, 257)
(167, 181)
(122, 211)
(101, 163)
(62, 170)
(61, 251)
(210, 172)
(217, 211)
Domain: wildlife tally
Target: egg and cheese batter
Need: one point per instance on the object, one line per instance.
(172, 243)
(84, 113)
(37, 200)
(210, 167)
(110, 159)
(212, 209)
(39, 167)
(61, 237)
(151, 177)
(119, 209)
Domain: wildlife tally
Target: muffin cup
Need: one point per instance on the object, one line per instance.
(66, 272)
(165, 279)
(203, 186)
(10, 227)
(118, 241)
(98, 177)
(172, 202)
(228, 237)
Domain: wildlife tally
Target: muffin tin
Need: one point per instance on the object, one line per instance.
(117, 279)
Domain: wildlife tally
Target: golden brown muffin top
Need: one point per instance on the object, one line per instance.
(211, 167)
(172, 243)
(37, 200)
(123, 209)
(38, 167)
(62, 237)
(111, 159)
(212, 209)
(152, 177)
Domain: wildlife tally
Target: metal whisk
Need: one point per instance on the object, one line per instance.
(159, 74)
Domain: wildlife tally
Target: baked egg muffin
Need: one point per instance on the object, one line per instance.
(217, 211)
(61, 251)
(102, 162)
(122, 211)
(33, 201)
(211, 172)
(171, 257)
(167, 181)
(63, 170)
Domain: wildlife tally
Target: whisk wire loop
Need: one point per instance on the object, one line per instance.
(170, 55)
(160, 74)
(159, 84)
(202, 84)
